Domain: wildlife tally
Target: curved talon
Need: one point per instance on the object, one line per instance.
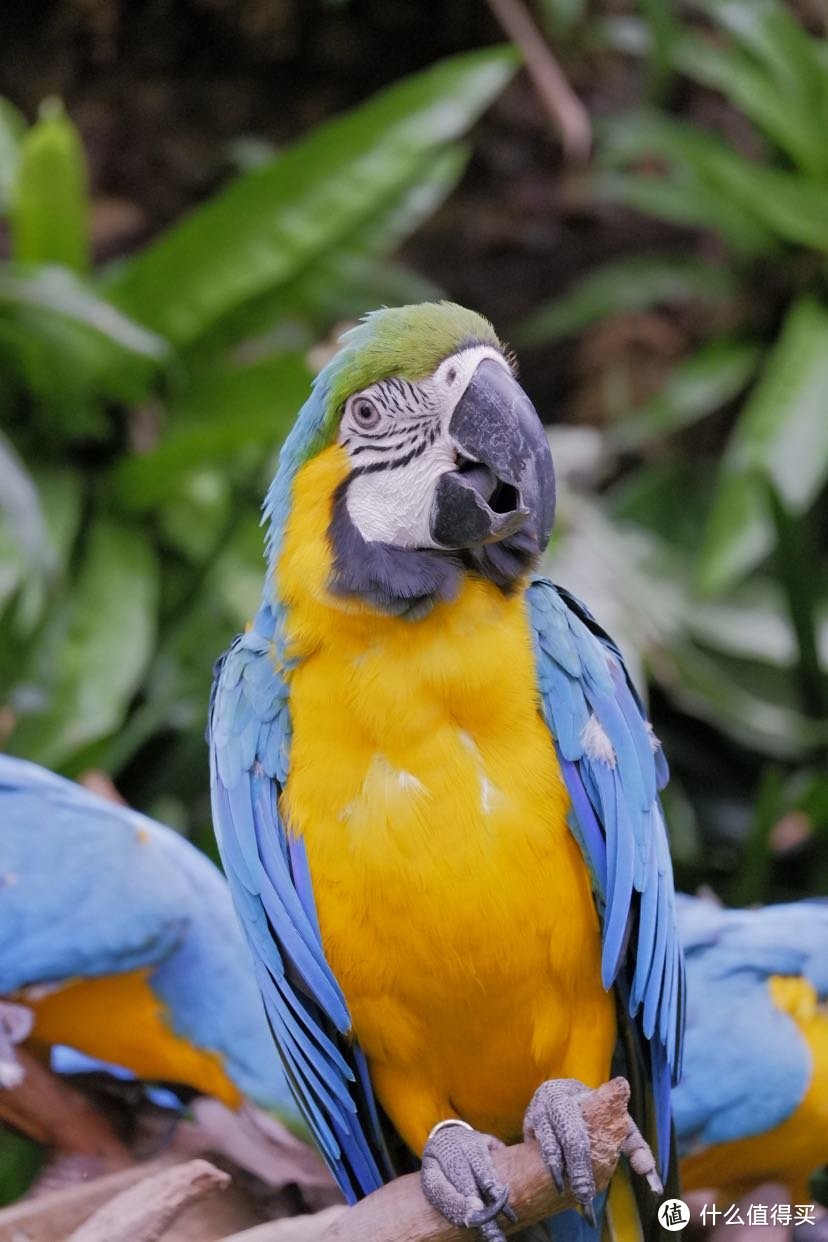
(460, 1181)
(483, 1215)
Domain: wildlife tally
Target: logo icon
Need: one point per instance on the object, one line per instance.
(674, 1214)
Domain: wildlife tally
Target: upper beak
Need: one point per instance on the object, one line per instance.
(504, 479)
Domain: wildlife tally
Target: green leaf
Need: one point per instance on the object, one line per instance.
(683, 201)
(695, 387)
(12, 128)
(21, 1159)
(627, 284)
(226, 408)
(59, 291)
(50, 211)
(69, 348)
(773, 36)
(782, 439)
(789, 121)
(270, 224)
(20, 507)
(90, 660)
(664, 27)
(723, 187)
(349, 279)
(730, 696)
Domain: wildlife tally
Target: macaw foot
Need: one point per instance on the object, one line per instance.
(555, 1120)
(459, 1179)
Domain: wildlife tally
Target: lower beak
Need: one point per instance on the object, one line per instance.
(504, 480)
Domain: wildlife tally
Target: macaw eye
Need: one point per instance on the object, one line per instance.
(365, 413)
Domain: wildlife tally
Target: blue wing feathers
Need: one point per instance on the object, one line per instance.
(748, 1063)
(267, 869)
(100, 889)
(613, 770)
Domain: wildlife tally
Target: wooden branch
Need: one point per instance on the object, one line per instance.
(49, 1110)
(399, 1213)
(143, 1212)
(568, 115)
(56, 1213)
(294, 1229)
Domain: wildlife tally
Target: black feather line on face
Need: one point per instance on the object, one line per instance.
(396, 463)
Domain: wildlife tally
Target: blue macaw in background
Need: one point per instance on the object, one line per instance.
(752, 1105)
(121, 939)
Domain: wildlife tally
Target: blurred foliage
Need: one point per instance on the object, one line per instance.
(715, 567)
(143, 406)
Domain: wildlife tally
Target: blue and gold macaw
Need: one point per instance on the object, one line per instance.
(753, 1103)
(121, 939)
(435, 790)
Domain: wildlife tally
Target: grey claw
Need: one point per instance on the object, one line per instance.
(484, 1215)
(642, 1161)
(589, 1214)
(459, 1180)
(555, 1120)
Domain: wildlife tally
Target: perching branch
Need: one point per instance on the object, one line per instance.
(49, 1110)
(144, 1211)
(399, 1213)
(568, 115)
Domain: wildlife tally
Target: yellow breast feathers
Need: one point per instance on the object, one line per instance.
(454, 904)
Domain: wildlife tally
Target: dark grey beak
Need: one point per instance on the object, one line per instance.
(504, 480)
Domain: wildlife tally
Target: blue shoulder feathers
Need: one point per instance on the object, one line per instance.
(748, 1065)
(90, 888)
(613, 768)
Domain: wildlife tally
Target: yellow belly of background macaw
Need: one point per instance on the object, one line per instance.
(118, 1018)
(454, 904)
(797, 1147)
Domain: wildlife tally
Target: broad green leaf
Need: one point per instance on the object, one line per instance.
(59, 291)
(12, 128)
(225, 409)
(680, 199)
(350, 279)
(21, 1159)
(791, 122)
(50, 216)
(787, 204)
(270, 224)
(771, 33)
(730, 696)
(70, 348)
(766, 66)
(33, 574)
(695, 387)
(664, 26)
(782, 439)
(627, 284)
(751, 622)
(194, 519)
(20, 509)
(91, 657)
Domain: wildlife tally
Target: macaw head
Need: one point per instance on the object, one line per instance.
(446, 466)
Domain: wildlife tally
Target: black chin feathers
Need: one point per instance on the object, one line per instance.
(408, 582)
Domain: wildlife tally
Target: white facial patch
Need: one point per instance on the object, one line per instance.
(408, 449)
